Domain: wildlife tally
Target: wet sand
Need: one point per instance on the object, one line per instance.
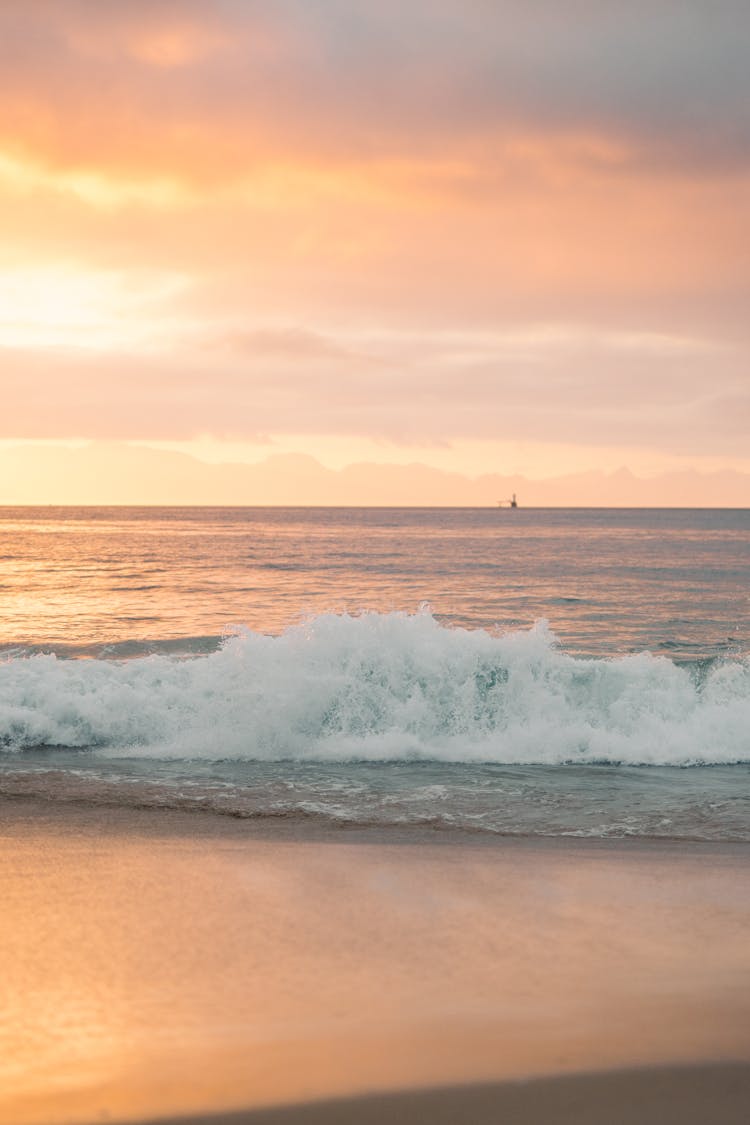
(161, 964)
(662, 1096)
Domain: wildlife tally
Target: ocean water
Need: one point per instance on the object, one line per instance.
(531, 672)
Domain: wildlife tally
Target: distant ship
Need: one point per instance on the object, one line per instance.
(512, 503)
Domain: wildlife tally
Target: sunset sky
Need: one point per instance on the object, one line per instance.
(492, 236)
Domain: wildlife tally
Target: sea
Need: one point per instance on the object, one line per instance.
(528, 672)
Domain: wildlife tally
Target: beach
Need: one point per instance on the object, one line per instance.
(648, 1097)
(374, 563)
(282, 843)
(162, 964)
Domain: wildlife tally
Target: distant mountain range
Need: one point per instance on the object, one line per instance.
(114, 473)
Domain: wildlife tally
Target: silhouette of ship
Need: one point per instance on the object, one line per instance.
(512, 503)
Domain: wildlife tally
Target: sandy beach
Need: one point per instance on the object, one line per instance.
(180, 965)
(639, 1097)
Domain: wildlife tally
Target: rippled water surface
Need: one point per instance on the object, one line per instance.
(579, 672)
(608, 581)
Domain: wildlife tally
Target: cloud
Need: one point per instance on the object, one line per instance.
(409, 390)
(412, 222)
(213, 90)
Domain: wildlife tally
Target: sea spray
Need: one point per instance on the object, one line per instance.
(383, 687)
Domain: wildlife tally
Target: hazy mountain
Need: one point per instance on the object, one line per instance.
(113, 473)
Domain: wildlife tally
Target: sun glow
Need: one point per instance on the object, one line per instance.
(65, 306)
(231, 232)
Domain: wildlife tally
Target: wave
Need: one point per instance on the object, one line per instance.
(118, 650)
(383, 687)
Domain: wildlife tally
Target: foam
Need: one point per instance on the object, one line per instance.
(379, 687)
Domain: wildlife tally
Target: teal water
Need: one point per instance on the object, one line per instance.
(578, 672)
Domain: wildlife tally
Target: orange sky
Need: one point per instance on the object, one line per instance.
(489, 236)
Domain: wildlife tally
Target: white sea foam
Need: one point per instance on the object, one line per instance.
(383, 687)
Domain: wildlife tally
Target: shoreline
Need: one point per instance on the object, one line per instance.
(164, 964)
(719, 1094)
(154, 820)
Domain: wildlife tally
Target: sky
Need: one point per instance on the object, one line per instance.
(490, 236)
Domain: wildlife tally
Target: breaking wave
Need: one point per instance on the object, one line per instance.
(382, 687)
